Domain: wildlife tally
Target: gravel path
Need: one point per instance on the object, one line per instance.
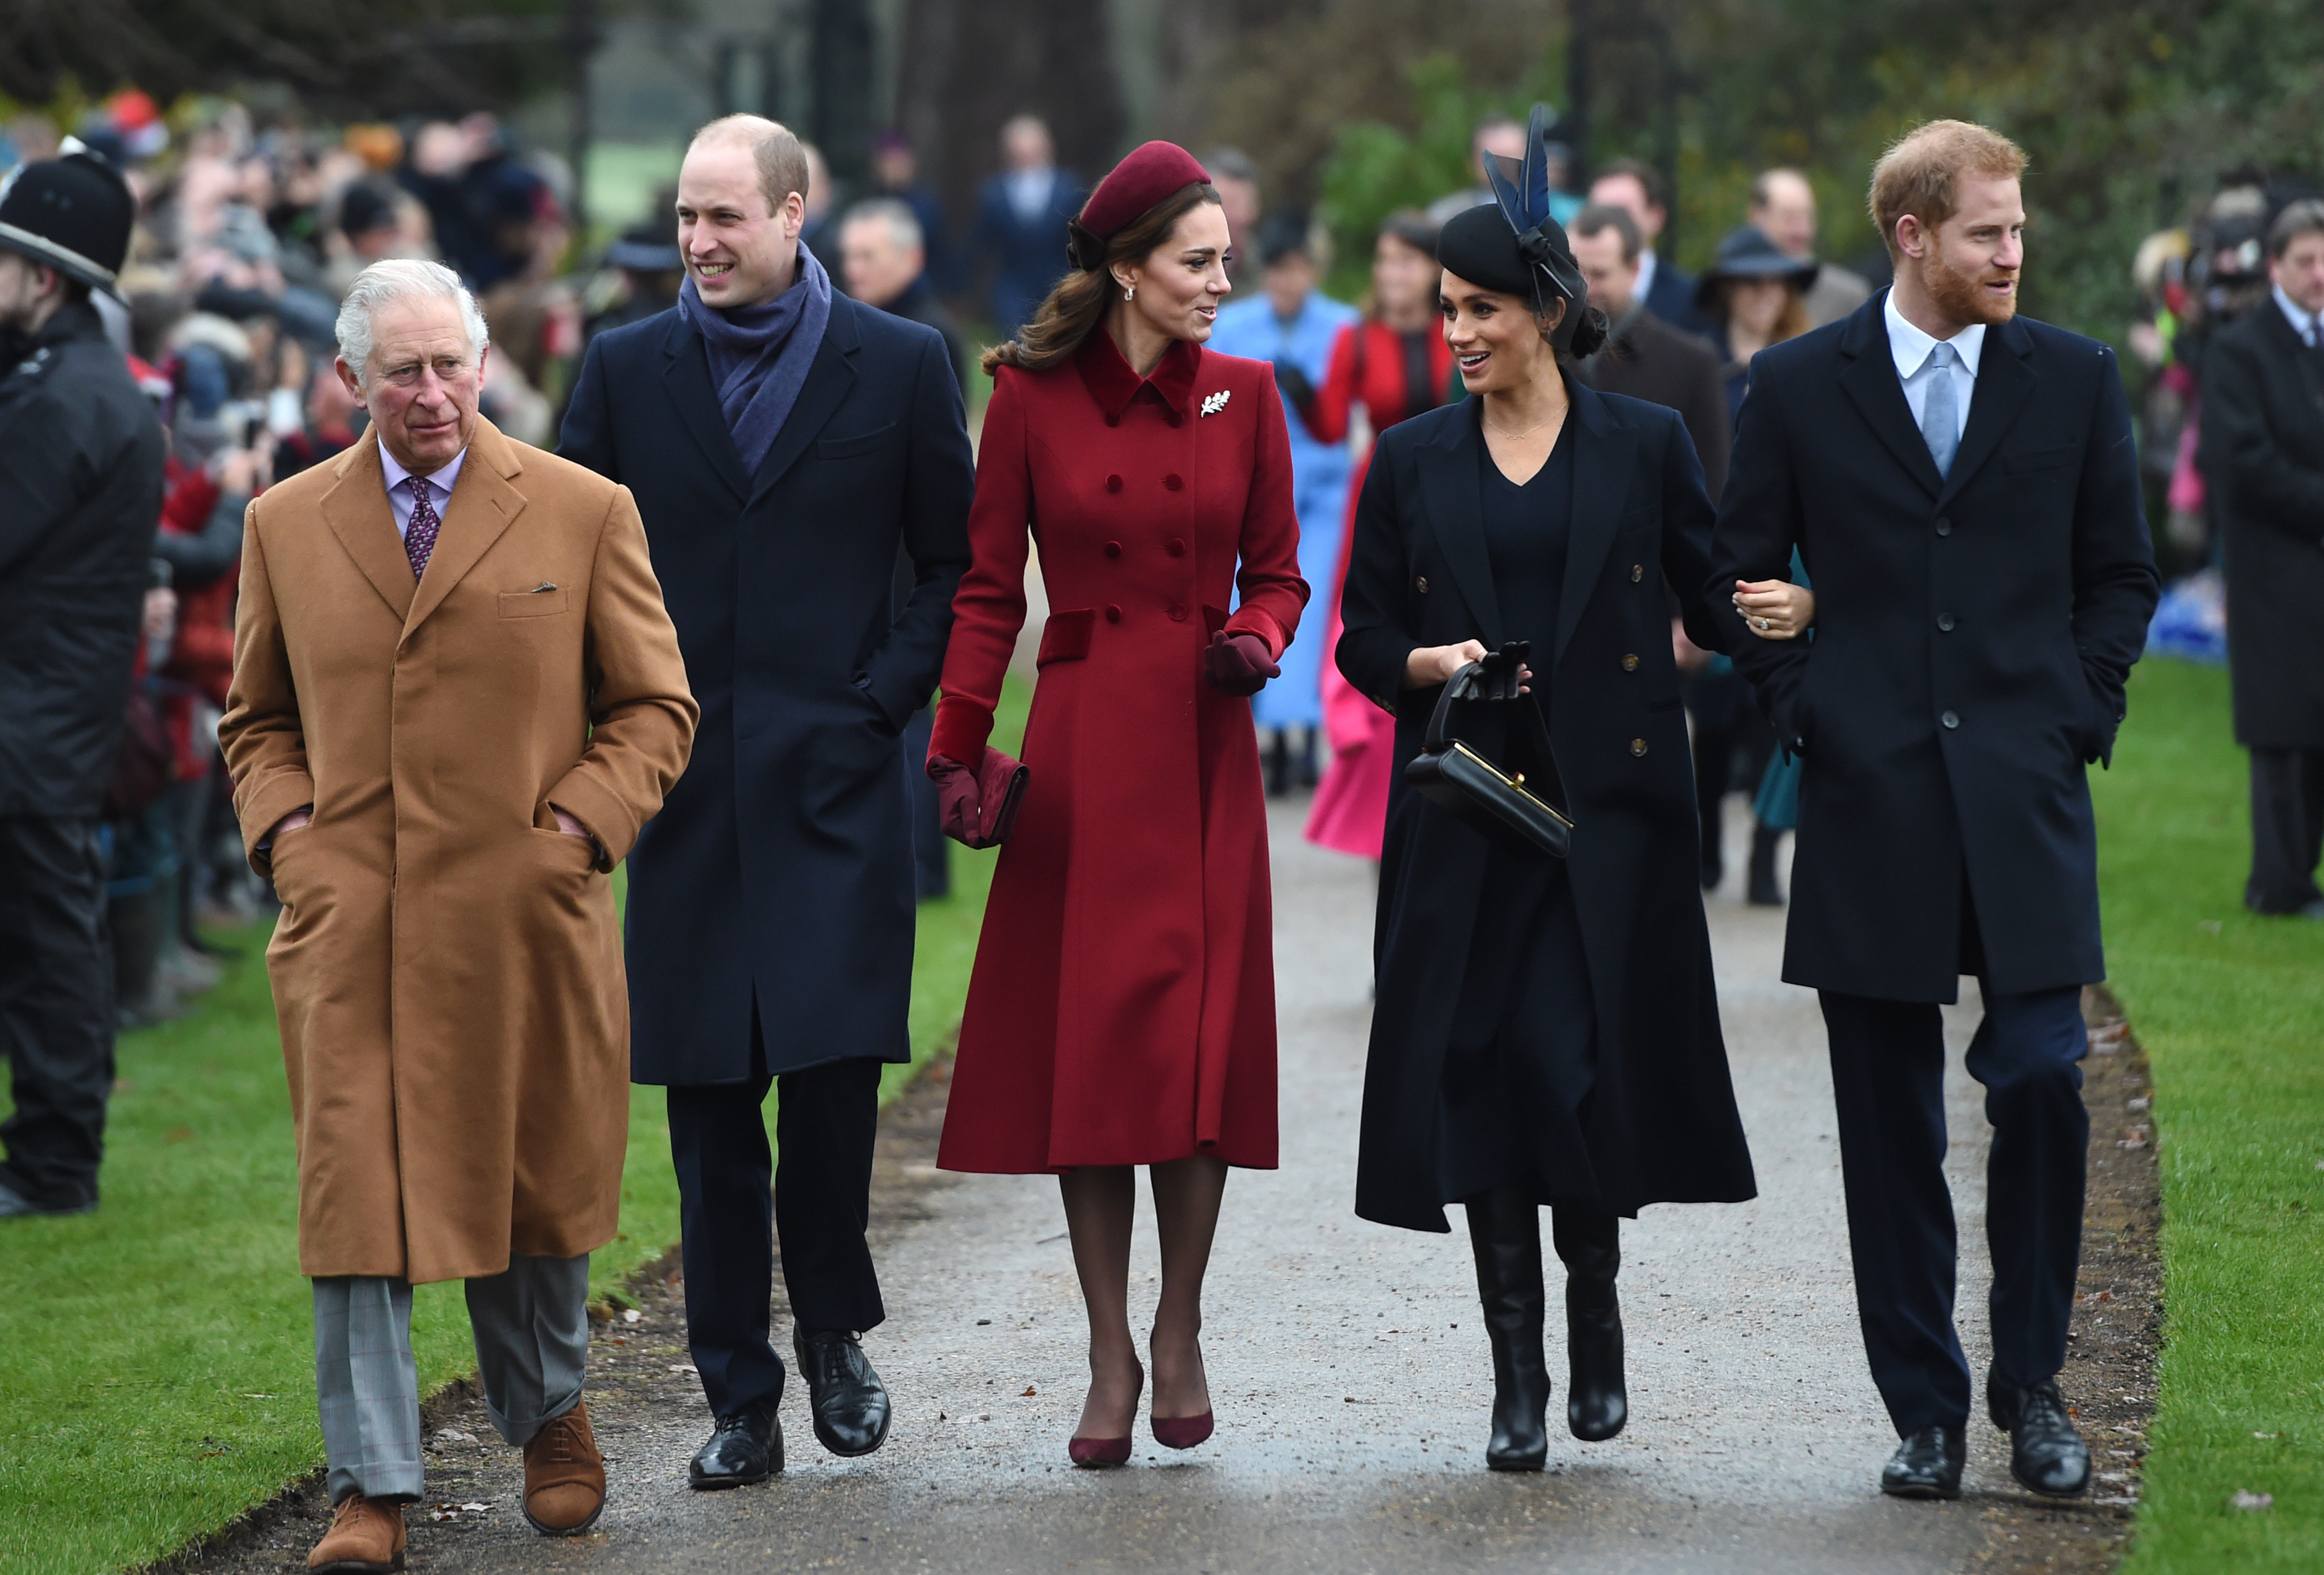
(1348, 1367)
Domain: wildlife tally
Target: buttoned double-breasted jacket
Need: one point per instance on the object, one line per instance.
(1122, 1006)
(447, 969)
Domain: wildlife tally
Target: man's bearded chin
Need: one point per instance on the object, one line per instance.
(1961, 297)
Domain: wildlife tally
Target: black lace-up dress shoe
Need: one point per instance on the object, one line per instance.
(1927, 1465)
(2046, 1452)
(746, 1448)
(849, 1402)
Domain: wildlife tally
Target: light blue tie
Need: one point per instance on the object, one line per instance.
(1939, 415)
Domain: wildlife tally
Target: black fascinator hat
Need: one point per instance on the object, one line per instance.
(1511, 245)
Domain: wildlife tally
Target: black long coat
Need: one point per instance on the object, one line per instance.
(781, 863)
(80, 500)
(2263, 450)
(1973, 634)
(1662, 1125)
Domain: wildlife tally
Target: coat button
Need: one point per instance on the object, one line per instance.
(1945, 621)
(1630, 664)
(1113, 420)
(1951, 719)
(1177, 419)
(1172, 480)
(1113, 615)
(1177, 547)
(1637, 573)
(1944, 525)
(1113, 549)
(1177, 612)
(1114, 484)
(1637, 746)
(1421, 585)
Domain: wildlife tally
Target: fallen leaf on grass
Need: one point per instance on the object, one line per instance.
(179, 1135)
(2208, 927)
(2253, 1503)
(631, 1315)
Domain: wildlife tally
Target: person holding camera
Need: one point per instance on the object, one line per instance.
(1546, 1031)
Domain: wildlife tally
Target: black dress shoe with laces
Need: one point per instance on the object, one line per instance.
(2046, 1452)
(849, 1402)
(1927, 1465)
(746, 1448)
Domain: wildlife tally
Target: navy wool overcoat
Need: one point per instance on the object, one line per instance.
(779, 874)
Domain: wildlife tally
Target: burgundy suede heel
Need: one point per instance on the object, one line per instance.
(1098, 1451)
(1182, 1433)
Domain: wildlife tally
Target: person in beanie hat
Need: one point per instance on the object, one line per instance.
(80, 492)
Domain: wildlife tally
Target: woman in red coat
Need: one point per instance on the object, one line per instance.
(1394, 363)
(1122, 1008)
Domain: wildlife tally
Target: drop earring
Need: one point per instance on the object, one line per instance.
(1130, 292)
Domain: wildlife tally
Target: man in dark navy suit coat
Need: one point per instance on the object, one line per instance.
(784, 444)
(1021, 224)
(1963, 485)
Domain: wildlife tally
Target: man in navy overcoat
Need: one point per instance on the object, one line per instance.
(784, 444)
(1963, 485)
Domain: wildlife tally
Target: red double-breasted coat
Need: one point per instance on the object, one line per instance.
(1122, 1006)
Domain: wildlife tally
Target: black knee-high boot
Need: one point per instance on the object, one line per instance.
(1504, 1228)
(1589, 1242)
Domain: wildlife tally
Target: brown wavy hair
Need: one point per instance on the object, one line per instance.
(1081, 299)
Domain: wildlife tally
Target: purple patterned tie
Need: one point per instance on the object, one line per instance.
(419, 536)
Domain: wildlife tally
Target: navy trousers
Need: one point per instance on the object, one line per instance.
(733, 1199)
(1888, 1075)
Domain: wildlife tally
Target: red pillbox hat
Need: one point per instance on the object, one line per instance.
(1144, 178)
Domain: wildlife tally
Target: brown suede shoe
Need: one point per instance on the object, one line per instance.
(564, 1476)
(365, 1538)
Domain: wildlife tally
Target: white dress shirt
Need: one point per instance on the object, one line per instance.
(1910, 348)
(2302, 323)
(399, 489)
(1646, 273)
(1029, 192)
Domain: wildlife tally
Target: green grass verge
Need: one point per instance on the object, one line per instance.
(2231, 1010)
(156, 1359)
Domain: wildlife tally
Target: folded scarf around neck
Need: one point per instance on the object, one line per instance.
(759, 355)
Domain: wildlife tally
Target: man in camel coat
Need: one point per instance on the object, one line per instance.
(457, 697)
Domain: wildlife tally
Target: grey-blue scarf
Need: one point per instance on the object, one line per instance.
(759, 355)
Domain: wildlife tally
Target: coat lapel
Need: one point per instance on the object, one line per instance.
(482, 506)
(2005, 381)
(685, 374)
(1871, 382)
(1452, 493)
(1601, 482)
(357, 510)
(828, 378)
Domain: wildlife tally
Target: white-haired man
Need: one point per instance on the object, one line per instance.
(457, 697)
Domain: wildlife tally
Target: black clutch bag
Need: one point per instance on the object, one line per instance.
(1455, 777)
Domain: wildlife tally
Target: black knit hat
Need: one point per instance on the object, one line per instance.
(73, 214)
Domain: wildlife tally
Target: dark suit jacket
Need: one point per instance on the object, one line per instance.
(1027, 258)
(1973, 633)
(1662, 1125)
(2263, 447)
(1650, 360)
(778, 878)
(1671, 298)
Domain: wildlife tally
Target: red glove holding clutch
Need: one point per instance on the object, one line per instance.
(978, 808)
(1238, 664)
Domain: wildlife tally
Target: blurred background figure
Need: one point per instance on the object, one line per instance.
(1646, 357)
(884, 258)
(1669, 290)
(640, 277)
(822, 207)
(1500, 134)
(495, 216)
(1234, 175)
(1753, 295)
(1294, 325)
(1022, 214)
(1783, 209)
(896, 174)
(1388, 365)
(2263, 457)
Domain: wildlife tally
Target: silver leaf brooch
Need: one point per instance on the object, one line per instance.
(1214, 403)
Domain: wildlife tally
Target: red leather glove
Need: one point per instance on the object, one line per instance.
(1238, 664)
(978, 808)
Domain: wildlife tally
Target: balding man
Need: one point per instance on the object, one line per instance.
(1783, 209)
(785, 443)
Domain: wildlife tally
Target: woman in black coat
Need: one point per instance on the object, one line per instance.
(1545, 1030)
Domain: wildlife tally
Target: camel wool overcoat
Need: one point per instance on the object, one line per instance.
(447, 968)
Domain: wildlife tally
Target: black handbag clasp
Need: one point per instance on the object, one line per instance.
(1481, 794)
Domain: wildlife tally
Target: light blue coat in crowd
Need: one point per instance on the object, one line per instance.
(1319, 486)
